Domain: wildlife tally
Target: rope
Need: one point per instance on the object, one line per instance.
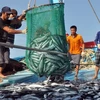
(34, 3)
(42, 6)
(29, 4)
(27, 48)
(94, 11)
(83, 64)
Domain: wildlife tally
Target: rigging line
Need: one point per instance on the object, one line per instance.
(29, 4)
(94, 11)
(34, 3)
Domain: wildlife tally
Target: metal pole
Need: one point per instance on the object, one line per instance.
(27, 48)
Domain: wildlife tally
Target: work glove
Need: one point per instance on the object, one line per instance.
(98, 45)
(24, 31)
(83, 54)
(23, 12)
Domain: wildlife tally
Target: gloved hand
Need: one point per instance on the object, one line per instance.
(24, 31)
(22, 16)
(98, 45)
(23, 12)
(83, 54)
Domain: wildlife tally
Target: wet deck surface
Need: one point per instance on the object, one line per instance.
(20, 77)
(83, 74)
(27, 77)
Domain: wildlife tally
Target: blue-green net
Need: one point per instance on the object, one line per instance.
(46, 31)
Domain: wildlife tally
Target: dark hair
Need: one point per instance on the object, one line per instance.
(14, 11)
(73, 27)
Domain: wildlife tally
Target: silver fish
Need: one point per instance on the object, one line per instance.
(30, 97)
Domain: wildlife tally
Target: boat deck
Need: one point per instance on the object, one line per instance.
(27, 76)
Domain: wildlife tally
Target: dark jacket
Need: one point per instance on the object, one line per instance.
(97, 39)
(15, 24)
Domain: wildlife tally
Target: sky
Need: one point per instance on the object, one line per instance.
(77, 12)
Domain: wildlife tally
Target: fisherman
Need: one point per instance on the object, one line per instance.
(76, 47)
(4, 31)
(97, 60)
(14, 16)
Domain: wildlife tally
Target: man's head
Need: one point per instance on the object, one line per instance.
(14, 13)
(6, 11)
(73, 29)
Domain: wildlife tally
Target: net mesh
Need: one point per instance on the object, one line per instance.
(46, 31)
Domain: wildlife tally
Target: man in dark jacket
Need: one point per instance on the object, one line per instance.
(97, 60)
(4, 31)
(16, 19)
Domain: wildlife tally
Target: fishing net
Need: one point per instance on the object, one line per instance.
(46, 31)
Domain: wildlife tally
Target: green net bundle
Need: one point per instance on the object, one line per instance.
(46, 31)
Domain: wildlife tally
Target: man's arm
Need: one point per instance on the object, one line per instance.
(83, 47)
(21, 17)
(16, 23)
(68, 42)
(96, 39)
(11, 31)
(67, 39)
(82, 43)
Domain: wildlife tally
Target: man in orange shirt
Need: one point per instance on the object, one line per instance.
(76, 47)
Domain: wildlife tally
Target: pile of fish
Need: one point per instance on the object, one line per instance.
(68, 90)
